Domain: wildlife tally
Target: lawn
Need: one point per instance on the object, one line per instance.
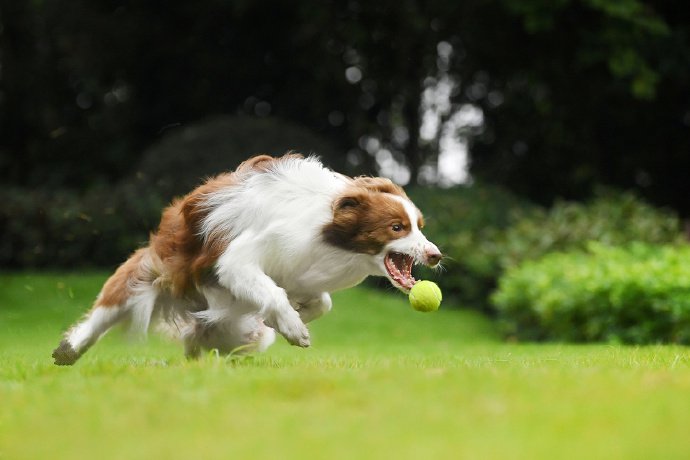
(380, 381)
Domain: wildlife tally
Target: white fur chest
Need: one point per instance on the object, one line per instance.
(275, 222)
(326, 269)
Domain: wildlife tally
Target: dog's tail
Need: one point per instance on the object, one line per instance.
(128, 294)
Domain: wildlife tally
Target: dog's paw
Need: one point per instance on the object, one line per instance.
(295, 332)
(292, 328)
(65, 355)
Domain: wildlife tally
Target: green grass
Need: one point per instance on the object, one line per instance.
(380, 381)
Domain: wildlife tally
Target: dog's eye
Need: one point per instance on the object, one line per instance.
(397, 228)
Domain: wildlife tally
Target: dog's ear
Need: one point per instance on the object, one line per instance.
(356, 199)
(379, 184)
(351, 201)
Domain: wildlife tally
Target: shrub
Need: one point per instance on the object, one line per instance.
(50, 229)
(486, 230)
(634, 294)
(612, 218)
(186, 155)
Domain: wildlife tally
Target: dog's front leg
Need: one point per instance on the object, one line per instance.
(252, 285)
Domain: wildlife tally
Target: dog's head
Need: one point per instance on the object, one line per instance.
(373, 216)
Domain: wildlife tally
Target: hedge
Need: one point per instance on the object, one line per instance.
(636, 294)
(486, 230)
(65, 229)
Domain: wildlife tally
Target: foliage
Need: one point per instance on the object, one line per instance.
(581, 103)
(485, 230)
(634, 294)
(67, 229)
(623, 24)
(573, 93)
(64, 228)
(187, 155)
(611, 217)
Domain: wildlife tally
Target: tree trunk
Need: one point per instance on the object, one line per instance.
(411, 151)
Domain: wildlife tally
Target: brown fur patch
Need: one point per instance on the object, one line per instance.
(185, 256)
(118, 287)
(379, 184)
(263, 162)
(363, 220)
(177, 243)
(383, 185)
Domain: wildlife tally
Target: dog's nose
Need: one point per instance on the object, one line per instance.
(433, 256)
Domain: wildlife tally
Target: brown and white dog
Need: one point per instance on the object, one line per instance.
(257, 250)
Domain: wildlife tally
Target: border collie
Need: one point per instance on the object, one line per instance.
(258, 250)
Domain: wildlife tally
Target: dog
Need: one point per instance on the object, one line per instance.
(258, 251)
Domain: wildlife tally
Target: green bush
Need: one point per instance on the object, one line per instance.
(62, 229)
(634, 294)
(485, 230)
(186, 155)
(612, 218)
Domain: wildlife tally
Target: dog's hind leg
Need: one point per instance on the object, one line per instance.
(313, 308)
(191, 337)
(126, 294)
(227, 326)
(85, 333)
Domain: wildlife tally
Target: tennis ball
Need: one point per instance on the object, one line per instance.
(425, 296)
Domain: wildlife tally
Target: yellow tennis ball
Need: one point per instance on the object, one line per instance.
(425, 296)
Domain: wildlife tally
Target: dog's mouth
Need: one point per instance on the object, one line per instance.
(399, 268)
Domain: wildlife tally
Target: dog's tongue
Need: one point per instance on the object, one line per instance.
(400, 269)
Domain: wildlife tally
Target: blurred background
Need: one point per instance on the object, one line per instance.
(520, 127)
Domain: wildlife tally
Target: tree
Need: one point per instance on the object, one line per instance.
(591, 93)
(572, 92)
